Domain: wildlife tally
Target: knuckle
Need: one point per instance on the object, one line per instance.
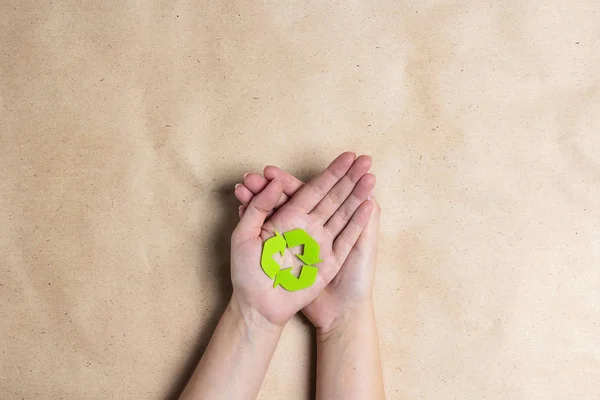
(336, 175)
(317, 189)
(343, 214)
(334, 197)
(258, 208)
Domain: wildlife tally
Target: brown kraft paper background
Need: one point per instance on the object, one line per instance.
(126, 124)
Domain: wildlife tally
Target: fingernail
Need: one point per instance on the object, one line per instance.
(246, 174)
(236, 185)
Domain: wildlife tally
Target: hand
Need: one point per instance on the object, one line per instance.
(351, 289)
(332, 208)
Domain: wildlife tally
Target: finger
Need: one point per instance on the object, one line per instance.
(256, 212)
(342, 189)
(291, 184)
(341, 217)
(242, 193)
(309, 195)
(248, 197)
(241, 210)
(373, 224)
(368, 237)
(256, 183)
(282, 200)
(346, 240)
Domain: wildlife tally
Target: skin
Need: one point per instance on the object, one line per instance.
(348, 355)
(333, 208)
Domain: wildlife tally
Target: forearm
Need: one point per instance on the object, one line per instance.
(237, 357)
(349, 359)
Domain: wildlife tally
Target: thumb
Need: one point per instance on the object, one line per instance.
(261, 205)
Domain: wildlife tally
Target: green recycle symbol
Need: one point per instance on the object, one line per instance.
(284, 277)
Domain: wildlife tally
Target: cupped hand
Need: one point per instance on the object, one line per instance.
(352, 287)
(332, 208)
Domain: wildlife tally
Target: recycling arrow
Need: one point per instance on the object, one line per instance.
(288, 281)
(274, 245)
(284, 277)
(310, 253)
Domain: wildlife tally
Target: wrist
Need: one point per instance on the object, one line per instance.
(360, 315)
(252, 321)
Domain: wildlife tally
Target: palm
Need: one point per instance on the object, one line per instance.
(277, 304)
(319, 216)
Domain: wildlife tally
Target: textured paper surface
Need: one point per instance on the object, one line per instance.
(125, 126)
